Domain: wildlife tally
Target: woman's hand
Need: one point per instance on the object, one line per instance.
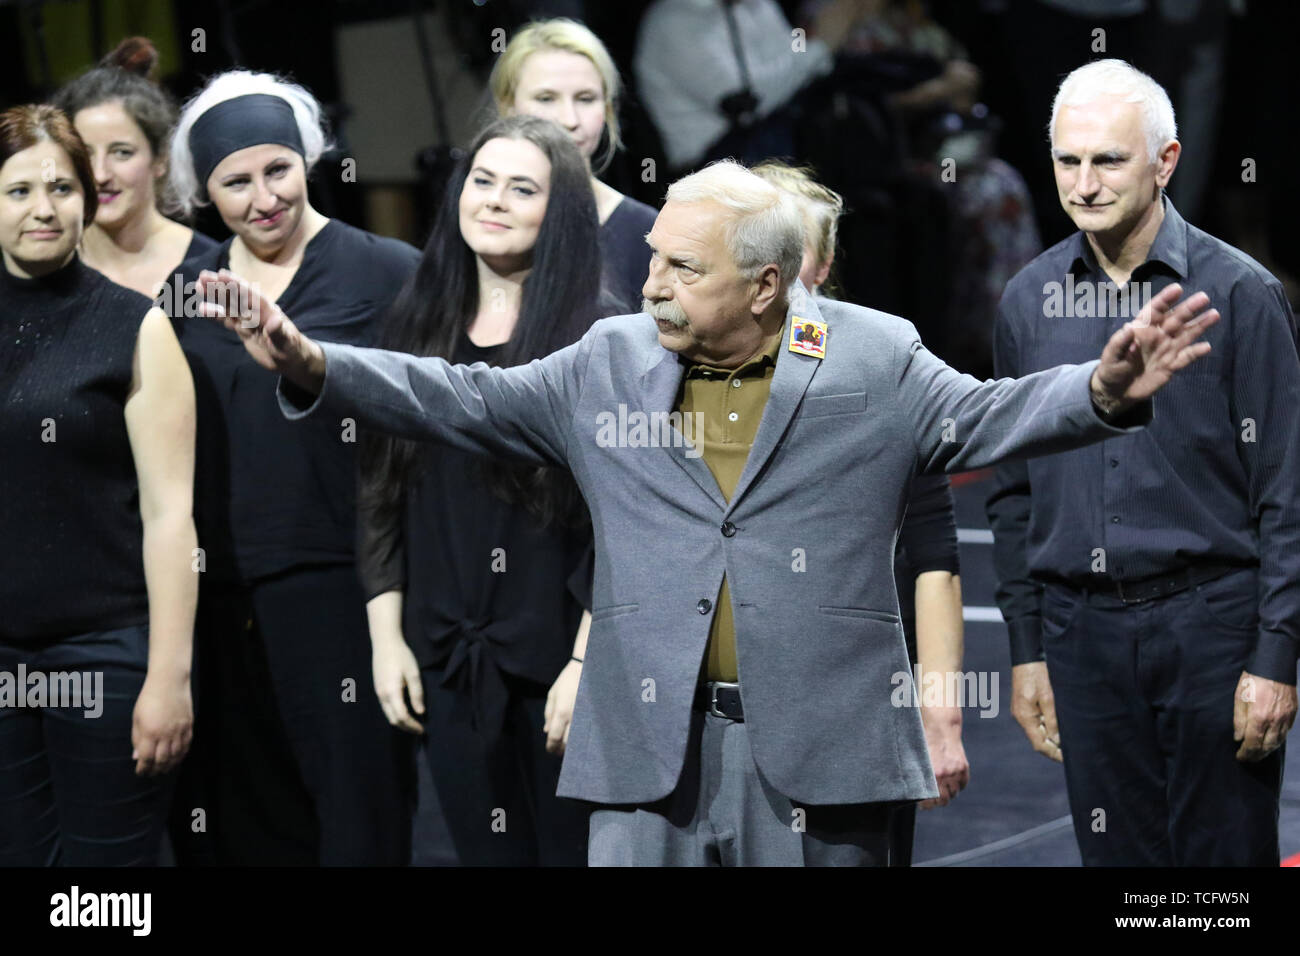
(397, 676)
(947, 755)
(162, 725)
(559, 707)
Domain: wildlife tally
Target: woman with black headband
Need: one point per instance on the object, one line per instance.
(295, 759)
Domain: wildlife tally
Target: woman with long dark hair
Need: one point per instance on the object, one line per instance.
(478, 574)
(126, 121)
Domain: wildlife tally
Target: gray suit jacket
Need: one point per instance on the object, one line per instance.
(813, 523)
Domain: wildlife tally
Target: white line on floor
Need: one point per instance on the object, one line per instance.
(1060, 823)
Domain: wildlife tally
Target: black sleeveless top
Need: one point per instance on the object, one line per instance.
(69, 500)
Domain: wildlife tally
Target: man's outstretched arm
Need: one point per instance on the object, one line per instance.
(521, 413)
(961, 423)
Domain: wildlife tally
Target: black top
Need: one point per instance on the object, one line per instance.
(1212, 479)
(199, 244)
(485, 588)
(69, 500)
(928, 539)
(271, 494)
(624, 253)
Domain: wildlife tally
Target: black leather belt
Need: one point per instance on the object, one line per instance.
(720, 698)
(1157, 585)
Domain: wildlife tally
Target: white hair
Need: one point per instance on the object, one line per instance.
(1102, 78)
(228, 86)
(767, 225)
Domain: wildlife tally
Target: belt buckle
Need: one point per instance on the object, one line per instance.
(1130, 598)
(1119, 591)
(713, 696)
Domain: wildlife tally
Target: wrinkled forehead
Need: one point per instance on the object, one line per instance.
(696, 230)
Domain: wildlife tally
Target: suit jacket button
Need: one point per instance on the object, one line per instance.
(705, 606)
(728, 529)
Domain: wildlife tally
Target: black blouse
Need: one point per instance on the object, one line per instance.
(69, 497)
(485, 589)
(624, 253)
(270, 494)
(199, 244)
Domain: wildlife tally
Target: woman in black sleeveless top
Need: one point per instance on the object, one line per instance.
(97, 602)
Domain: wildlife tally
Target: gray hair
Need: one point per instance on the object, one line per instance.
(228, 86)
(1116, 78)
(767, 225)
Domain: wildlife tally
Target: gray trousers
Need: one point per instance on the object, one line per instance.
(723, 813)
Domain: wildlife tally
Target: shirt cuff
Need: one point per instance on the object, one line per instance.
(942, 561)
(1274, 658)
(296, 402)
(1026, 639)
(1139, 416)
(377, 586)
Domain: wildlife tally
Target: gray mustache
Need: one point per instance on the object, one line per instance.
(665, 312)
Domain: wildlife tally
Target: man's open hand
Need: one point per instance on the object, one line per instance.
(1142, 357)
(274, 342)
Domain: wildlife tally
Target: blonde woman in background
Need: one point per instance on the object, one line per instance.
(559, 70)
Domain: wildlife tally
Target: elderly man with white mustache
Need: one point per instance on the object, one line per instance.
(735, 704)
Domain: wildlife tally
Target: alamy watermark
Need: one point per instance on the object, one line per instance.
(946, 689)
(1089, 300)
(638, 429)
(71, 689)
(181, 299)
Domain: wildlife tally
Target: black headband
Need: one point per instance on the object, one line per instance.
(251, 120)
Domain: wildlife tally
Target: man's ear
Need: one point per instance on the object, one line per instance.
(1166, 162)
(767, 285)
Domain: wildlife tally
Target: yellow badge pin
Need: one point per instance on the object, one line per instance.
(808, 337)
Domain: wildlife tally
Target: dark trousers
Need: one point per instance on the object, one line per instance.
(69, 794)
(497, 792)
(294, 763)
(1144, 701)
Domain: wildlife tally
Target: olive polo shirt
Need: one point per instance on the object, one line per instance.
(731, 402)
